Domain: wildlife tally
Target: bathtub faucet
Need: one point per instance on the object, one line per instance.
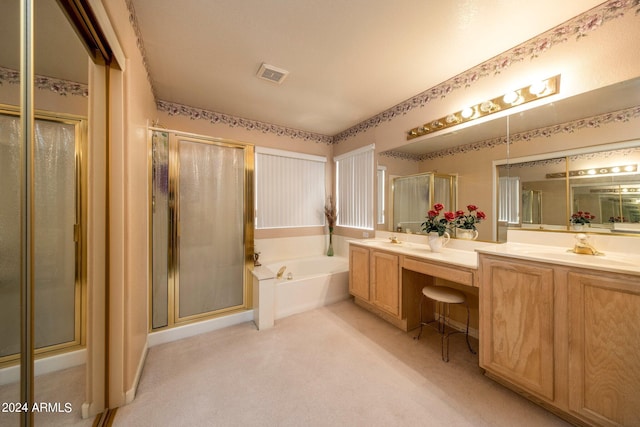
(281, 272)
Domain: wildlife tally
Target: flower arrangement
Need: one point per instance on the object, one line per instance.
(435, 222)
(330, 213)
(581, 218)
(469, 221)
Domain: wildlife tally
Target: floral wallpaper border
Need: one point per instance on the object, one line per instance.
(59, 86)
(577, 27)
(624, 115)
(218, 118)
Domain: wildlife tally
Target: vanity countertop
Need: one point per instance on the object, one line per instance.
(449, 254)
(616, 262)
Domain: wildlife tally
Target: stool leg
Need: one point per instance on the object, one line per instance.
(421, 322)
(467, 332)
(444, 352)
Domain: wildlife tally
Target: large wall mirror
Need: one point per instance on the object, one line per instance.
(601, 185)
(541, 191)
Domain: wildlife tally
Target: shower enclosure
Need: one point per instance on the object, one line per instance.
(58, 246)
(202, 226)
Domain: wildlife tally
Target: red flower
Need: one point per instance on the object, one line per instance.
(449, 216)
(472, 208)
(481, 215)
(438, 207)
(432, 214)
(459, 214)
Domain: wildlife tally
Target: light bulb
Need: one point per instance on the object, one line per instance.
(510, 98)
(467, 112)
(537, 88)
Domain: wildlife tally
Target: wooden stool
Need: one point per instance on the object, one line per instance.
(443, 296)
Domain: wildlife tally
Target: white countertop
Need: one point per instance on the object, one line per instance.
(460, 253)
(617, 262)
(449, 255)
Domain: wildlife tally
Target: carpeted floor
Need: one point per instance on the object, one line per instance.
(334, 366)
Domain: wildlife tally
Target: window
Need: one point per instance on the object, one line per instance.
(290, 189)
(354, 186)
(381, 175)
(509, 209)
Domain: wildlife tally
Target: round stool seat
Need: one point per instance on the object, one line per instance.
(443, 294)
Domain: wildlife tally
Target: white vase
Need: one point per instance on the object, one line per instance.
(463, 233)
(577, 227)
(436, 243)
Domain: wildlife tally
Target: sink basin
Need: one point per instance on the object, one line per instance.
(604, 260)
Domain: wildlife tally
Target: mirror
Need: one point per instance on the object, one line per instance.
(603, 187)
(545, 201)
(414, 195)
(607, 185)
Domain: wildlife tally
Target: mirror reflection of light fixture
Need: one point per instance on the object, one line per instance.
(535, 91)
(595, 171)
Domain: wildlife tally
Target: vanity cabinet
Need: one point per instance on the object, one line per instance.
(385, 282)
(517, 324)
(359, 272)
(374, 279)
(565, 337)
(389, 282)
(604, 347)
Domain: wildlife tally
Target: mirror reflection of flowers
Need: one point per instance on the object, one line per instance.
(581, 218)
(435, 222)
(469, 221)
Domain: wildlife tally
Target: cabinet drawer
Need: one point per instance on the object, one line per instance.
(448, 273)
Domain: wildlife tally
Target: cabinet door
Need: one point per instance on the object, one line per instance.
(359, 272)
(604, 358)
(516, 321)
(385, 282)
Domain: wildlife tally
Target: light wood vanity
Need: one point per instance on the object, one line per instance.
(563, 332)
(388, 279)
(566, 337)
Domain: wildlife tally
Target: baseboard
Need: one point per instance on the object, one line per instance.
(131, 393)
(46, 365)
(197, 328)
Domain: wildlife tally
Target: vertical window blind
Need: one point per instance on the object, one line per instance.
(290, 189)
(509, 209)
(381, 183)
(354, 186)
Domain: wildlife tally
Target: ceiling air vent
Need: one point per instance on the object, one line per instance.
(271, 73)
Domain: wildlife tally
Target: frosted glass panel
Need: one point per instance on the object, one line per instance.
(55, 216)
(54, 219)
(411, 201)
(9, 235)
(160, 221)
(211, 224)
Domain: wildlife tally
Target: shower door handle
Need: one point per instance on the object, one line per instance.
(76, 233)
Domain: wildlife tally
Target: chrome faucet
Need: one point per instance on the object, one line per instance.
(281, 272)
(582, 245)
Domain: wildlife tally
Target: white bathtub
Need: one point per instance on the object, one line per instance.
(316, 281)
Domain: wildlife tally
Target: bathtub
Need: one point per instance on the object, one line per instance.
(314, 282)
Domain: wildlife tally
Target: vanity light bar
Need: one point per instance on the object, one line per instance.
(596, 171)
(625, 190)
(535, 91)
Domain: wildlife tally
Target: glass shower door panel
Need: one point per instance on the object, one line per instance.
(55, 246)
(9, 235)
(160, 227)
(211, 228)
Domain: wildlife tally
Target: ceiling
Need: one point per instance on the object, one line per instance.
(347, 60)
